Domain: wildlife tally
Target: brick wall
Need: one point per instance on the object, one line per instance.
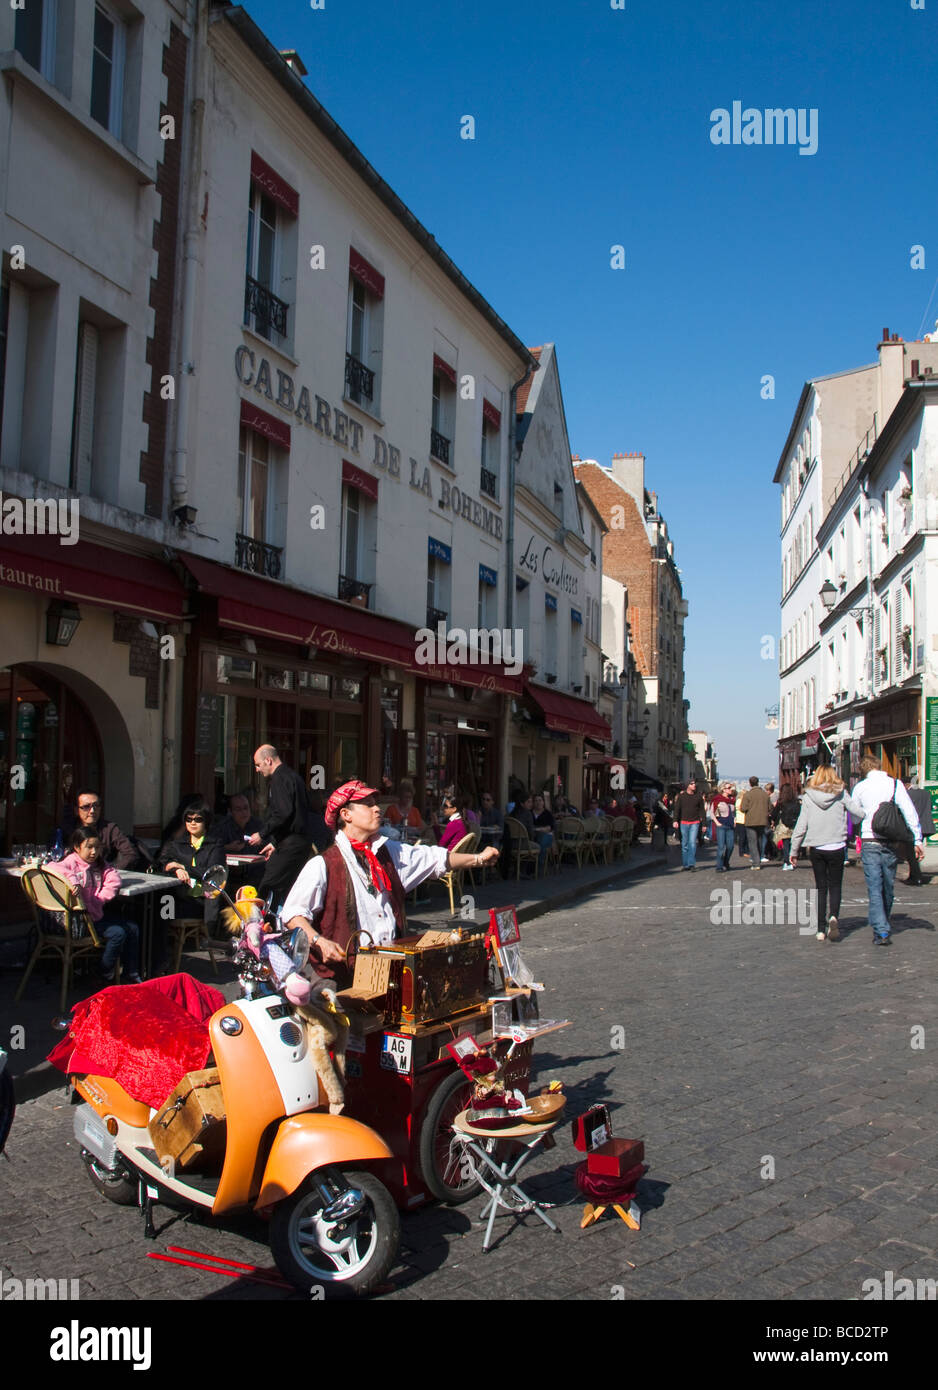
(144, 656)
(627, 558)
(163, 286)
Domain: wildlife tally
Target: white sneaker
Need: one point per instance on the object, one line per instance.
(788, 868)
(819, 936)
(765, 860)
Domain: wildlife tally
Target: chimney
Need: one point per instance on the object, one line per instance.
(885, 337)
(293, 61)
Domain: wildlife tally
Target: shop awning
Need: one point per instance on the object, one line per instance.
(568, 714)
(636, 778)
(90, 573)
(265, 608)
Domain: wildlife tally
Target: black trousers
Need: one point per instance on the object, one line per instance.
(283, 866)
(828, 866)
(906, 850)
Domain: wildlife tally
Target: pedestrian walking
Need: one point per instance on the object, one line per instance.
(724, 818)
(885, 806)
(921, 800)
(754, 804)
(822, 828)
(688, 812)
(789, 808)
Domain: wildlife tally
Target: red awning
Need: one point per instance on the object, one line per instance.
(268, 609)
(567, 714)
(95, 574)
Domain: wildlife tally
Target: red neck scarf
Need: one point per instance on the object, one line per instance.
(379, 877)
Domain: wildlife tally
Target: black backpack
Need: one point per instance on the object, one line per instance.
(889, 823)
(789, 814)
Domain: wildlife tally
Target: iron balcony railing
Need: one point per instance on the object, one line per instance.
(436, 615)
(860, 455)
(359, 380)
(489, 483)
(353, 589)
(257, 557)
(439, 446)
(263, 310)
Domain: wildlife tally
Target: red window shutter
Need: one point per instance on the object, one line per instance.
(272, 183)
(439, 365)
(364, 271)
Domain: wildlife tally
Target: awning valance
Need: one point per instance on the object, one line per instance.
(566, 713)
(90, 573)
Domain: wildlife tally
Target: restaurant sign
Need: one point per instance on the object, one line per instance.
(931, 738)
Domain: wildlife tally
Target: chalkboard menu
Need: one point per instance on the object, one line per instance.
(207, 716)
(931, 739)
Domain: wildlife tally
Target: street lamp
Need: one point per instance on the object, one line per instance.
(828, 594)
(62, 621)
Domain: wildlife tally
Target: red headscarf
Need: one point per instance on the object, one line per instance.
(349, 791)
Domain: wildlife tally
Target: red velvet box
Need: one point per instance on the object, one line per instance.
(616, 1157)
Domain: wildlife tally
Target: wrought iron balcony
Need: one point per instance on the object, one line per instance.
(359, 380)
(263, 310)
(439, 446)
(354, 591)
(257, 557)
(436, 615)
(489, 483)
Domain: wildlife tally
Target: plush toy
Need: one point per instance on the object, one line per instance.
(325, 1025)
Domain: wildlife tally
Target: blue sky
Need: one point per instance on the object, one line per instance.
(593, 129)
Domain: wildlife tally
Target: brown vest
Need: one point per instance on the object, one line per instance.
(338, 919)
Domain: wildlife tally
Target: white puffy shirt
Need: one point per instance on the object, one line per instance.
(414, 865)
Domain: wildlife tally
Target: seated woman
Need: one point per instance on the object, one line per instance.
(403, 812)
(98, 885)
(455, 828)
(188, 857)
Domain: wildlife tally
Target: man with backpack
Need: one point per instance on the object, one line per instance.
(889, 820)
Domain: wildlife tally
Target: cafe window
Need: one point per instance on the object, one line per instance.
(270, 271)
(488, 597)
(236, 670)
(47, 733)
(364, 334)
(35, 35)
(107, 69)
(391, 717)
(276, 678)
(347, 688)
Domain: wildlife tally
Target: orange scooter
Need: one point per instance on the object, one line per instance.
(331, 1224)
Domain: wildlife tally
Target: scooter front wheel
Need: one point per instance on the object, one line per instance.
(351, 1256)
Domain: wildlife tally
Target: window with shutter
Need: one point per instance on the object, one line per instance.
(897, 632)
(86, 372)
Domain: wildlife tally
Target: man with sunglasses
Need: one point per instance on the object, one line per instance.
(361, 882)
(116, 848)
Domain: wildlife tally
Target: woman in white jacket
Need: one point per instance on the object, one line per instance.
(822, 828)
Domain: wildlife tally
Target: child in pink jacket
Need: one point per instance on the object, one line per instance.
(97, 884)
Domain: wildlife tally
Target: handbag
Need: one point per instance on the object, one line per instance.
(889, 823)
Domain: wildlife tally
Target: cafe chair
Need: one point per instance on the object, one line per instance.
(188, 931)
(453, 878)
(622, 829)
(570, 838)
(69, 934)
(520, 846)
(601, 841)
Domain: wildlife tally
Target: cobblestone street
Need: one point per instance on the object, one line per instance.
(744, 1047)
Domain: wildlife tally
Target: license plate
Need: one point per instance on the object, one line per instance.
(396, 1052)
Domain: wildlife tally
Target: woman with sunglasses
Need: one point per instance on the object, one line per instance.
(195, 849)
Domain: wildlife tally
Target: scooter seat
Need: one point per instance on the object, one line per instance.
(108, 1097)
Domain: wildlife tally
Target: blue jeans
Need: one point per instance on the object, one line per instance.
(726, 839)
(689, 843)
(120, 939)
(879, 870)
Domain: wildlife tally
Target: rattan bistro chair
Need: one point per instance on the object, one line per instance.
(521, 846)
(453, 878)
(622, 830)
(69, 934)
(570, 838)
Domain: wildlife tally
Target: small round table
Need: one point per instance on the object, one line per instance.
(498, 1179)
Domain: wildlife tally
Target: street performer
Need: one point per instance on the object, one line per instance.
(361, 881)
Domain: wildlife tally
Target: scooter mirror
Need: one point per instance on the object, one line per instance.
(299, 949)
(214, 880)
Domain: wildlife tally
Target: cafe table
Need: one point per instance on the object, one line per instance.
(133, 885)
